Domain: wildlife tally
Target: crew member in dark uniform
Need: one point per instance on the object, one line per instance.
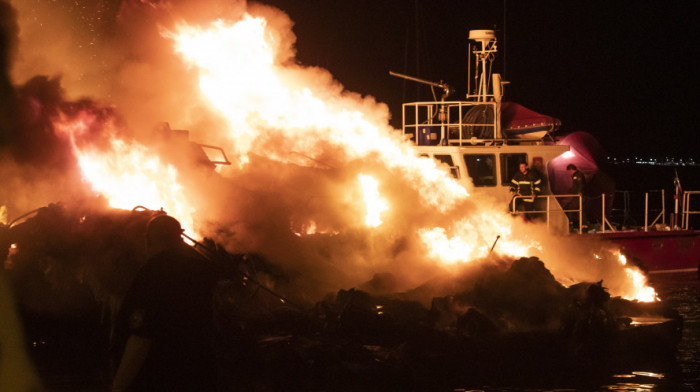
(578, 186)
(168, 317)
(525, 183)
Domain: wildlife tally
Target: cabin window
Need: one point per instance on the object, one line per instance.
(510, 164)
(481, 168)
(447, 160)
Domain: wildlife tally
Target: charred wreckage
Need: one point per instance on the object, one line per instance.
(69, 270)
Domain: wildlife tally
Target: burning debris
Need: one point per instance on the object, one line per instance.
(486, 319)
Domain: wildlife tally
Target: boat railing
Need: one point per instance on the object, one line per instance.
(661, 215)
(652, 216)
(624, 212)
(453, 123)
(552, 206)
(605, 223)
(686, 209)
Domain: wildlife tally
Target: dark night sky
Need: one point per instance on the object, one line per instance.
(621, 70)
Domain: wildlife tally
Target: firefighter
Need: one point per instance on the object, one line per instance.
(528, 184)
(167, 317)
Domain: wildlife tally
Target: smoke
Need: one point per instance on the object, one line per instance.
(36, 165)
(8, 45)
(56, 54)
(113, 51)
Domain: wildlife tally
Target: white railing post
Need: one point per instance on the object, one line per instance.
(646, 211)
(684, 214)
(580, 214)
(687, 212)
(547, 213)
(602, 216)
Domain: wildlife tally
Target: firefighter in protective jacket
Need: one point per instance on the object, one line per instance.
(525, 183)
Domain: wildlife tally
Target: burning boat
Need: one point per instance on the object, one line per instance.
(368, 258)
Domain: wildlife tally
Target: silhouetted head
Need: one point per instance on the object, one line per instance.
(163, 232)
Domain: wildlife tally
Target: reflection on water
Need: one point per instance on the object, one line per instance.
(682, 292)
(635, 381)
(641, 384)
(636, 321)
(648, 374)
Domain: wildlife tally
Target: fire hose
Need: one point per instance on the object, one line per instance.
(212, 254)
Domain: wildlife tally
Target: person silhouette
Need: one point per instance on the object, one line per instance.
(167, 316)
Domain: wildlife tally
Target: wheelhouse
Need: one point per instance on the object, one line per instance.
(482, 140)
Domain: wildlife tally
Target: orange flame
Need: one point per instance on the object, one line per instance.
(275, 107)
(263, 99)
(643, 292)
(126, 173)
(375, 204)
(257, 93)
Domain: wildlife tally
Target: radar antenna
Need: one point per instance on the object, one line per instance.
(484, 51)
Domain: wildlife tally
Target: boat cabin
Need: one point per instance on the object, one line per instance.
(483, 140)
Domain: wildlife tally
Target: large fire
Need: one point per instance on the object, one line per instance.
(375, 204)
(256, 93)
(275, 108)
(304, 117)
(126, 173)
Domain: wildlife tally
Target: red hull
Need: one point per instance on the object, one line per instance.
(659, 251)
